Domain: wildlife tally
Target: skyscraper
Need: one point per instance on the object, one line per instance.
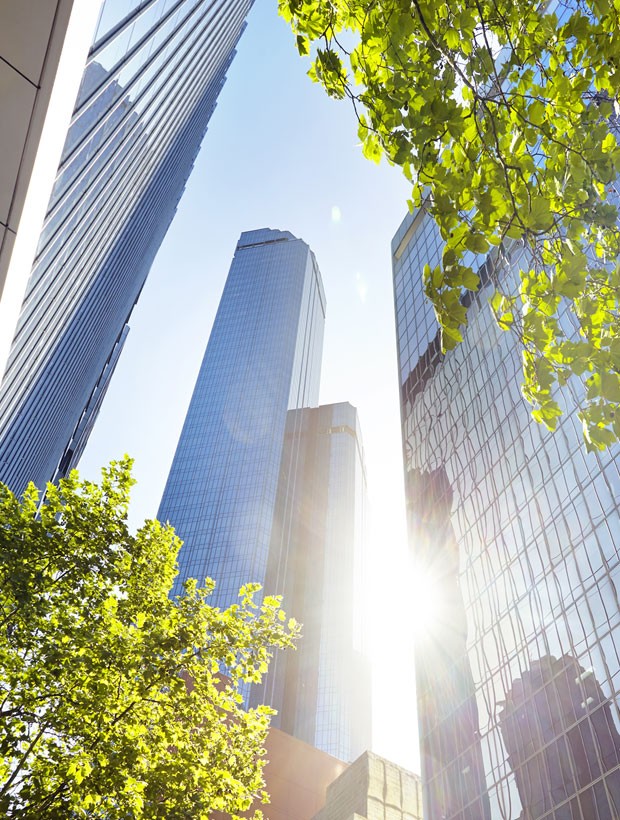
(316, 562)
(148, 91)
(267, 487)
(262, 360)
(528, 591)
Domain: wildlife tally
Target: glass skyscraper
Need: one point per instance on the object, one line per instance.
(516, 532)
(266, 487)
(262, 360)
(148, 91)
(316, 562)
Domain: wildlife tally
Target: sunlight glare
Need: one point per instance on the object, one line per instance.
(361, 286)
(391, 626)
(425, 603)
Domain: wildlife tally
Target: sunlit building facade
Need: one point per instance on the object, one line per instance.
(322, 691)
(149, 88)
(373, 788)
(516, 531)
(262, 360)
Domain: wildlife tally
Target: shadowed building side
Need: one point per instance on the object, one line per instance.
(322, 691)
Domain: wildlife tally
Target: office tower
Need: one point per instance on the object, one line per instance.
(373, 788)
(150, 85)
(316, 562)
(530, 592)
(262, 360)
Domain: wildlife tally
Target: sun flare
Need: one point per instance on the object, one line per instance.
(425, 603)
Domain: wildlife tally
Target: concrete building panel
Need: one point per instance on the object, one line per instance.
(43, 46)
(373, 788)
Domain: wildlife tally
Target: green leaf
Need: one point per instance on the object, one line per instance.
(610, 386)
(470, 280)
(608, 144)
(452, 38)
(538, 216)
(477, 243)
(303, 45)
(506, 320)
(529, 162)
(536, 112)
(371, 147)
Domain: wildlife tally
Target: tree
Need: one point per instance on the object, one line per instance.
(499, 113)
(96, 716)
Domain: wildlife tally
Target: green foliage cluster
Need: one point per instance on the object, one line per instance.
(499, 112)
(112, 704)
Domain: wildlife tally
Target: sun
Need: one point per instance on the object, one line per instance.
(426, 603)
(391, 627)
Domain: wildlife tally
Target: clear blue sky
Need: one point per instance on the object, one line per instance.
(280, 154)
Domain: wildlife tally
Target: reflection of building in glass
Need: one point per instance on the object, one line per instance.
(150, 86)
(561, 741)
(322, 690)
(447, 711)
(535, 522)
(263, 359)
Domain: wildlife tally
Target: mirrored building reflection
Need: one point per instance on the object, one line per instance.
(562, 742)
(531, 583)
(149, 88)
(447, 708)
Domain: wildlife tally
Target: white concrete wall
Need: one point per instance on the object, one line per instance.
(43, 49)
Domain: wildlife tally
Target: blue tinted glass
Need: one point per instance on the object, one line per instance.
(515, 528)
(263, 358)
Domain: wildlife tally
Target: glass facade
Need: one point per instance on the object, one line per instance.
(516, 531)
(148, 91)
(322, 690)
(79, 439)
(262, 360)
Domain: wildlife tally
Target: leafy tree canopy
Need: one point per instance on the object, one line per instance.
(96, 717)
(499, 113)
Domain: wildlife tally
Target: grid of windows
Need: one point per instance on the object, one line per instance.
(149, 88)
(519, 680)
(262, 359)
